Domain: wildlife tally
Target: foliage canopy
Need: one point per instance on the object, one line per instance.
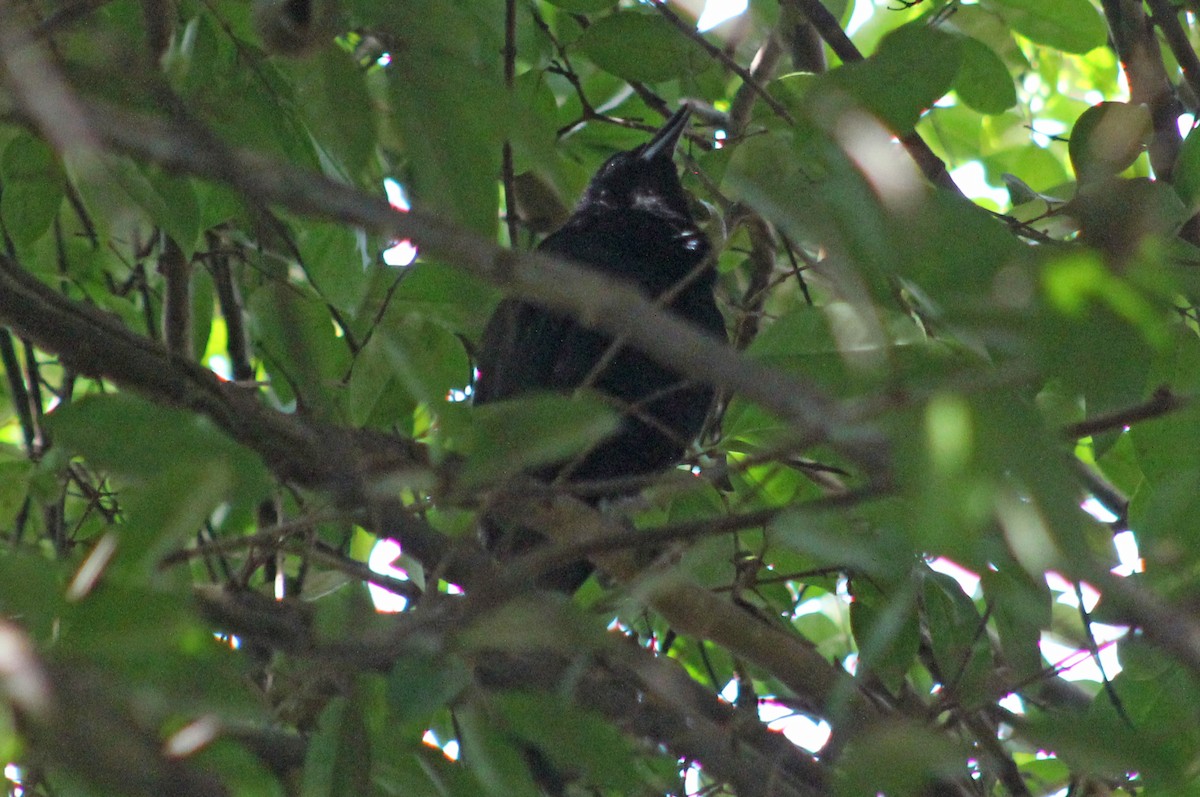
(958, 275)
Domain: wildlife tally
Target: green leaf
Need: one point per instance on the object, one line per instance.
(1108, 138)
(1187, 170)
(453, 123)
(440, 293)
(31, 588)
(1021, 611)
(239, 770)
(583, 6)
(899, 757)
(33, 182)
(662, 52)
(803, 182)
(1074, 26)
(333, 259)
(14, 488)
(131, 436)
(428, 360)
(956, 636)
(123, 434)
(983, 81)
(572, 740)
(914, 66)
(337, 108)
(988, 27)
(304, 353)
(497, 762)
(519, 434)
(886, 630)
(339, 758)
(449, 124)
(177, 212)
(420, 685)
(409, 359)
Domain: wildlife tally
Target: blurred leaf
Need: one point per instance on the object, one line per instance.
(155, 638)
(1187, 171)
(956, 636)
(31, 590)
(178, 213)
(914, 66)
(337, 108)
(1108, 138)
(169, 508)
(984, 24)
(583, 6)
(663, 52)
(339, 761)
(802, 181)
(520, 434)
(898, 759)
(1074, 26)
(333, 260)
(1020, 608)
(451, 122)
(419, 685)
(128, 435)
(983, 81)
(297, 336)
(239, 769)
(498, 763)
(14, 488)
(34, 185)
(442, 293)
(574, 741)
(887, 631)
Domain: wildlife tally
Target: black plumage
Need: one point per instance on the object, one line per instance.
(632, 223)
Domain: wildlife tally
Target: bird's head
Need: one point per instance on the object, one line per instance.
(644, 178)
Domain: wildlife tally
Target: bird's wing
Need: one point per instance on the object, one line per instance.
(526, 348)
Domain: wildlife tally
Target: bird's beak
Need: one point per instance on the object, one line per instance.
(664, 141)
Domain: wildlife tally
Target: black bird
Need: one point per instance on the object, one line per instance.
(633, 224)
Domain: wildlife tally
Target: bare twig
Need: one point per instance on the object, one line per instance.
(506, 154)
(237, 345)
(761, 69)
(17, 391)
(1163, 402)
(724, 59)
(177, 299)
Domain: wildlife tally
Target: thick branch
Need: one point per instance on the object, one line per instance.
(1139, 52)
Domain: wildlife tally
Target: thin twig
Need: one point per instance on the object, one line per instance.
(17, 391)
(724, 59)
(930, 164)
(506, 153)
(1162, 402)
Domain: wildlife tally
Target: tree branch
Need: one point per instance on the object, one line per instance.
(1138, 50)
